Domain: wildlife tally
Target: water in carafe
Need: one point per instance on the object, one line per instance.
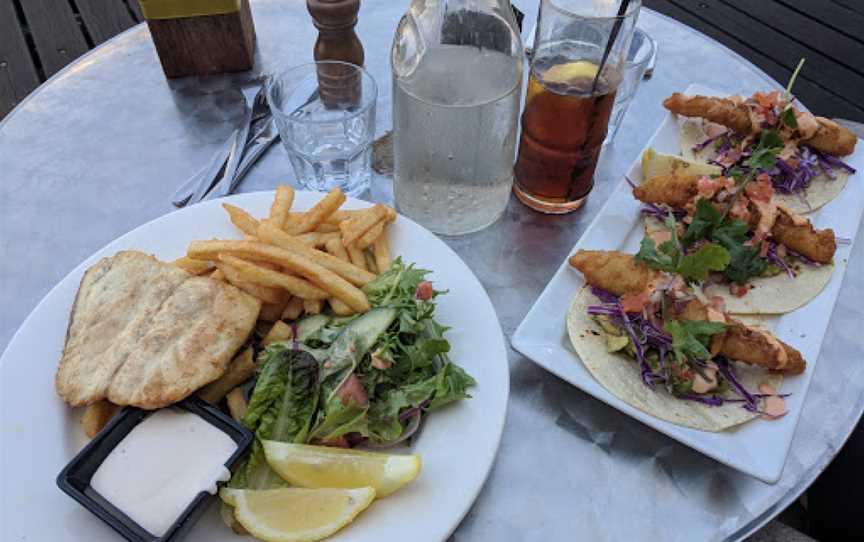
(455, 109)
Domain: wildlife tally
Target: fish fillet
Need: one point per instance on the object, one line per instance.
(146, 333)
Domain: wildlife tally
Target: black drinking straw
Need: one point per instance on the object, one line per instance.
(622, 10)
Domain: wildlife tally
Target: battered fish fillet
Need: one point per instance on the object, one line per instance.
(747, 344)
(145, 333)
(675, 190)
(797, 233)
(613, 271)
(830, 137)
(803, 238)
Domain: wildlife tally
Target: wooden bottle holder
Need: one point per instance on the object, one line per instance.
(200, 37)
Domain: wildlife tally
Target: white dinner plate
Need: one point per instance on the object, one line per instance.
(40, 434)
(758, 448)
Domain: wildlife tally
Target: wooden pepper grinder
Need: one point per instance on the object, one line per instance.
(335, 21)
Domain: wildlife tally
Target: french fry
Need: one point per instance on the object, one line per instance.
(352, 229)
(316, 239)
(351, 273)
(281, 205)
(326, 227)
(97, 416)
(370, 261)
(313, 306)
(317, 214)
(240, 218)
(237, 404)
(217, 275)
(341, 215)
(356, 256)
(366, 240)
(381, 251)
(334, 247)
(239, 370)
(270, 312)
(250, 272)
(292, 261)
(195, 267)
(279, 332)
(293, 309)
(264, 293)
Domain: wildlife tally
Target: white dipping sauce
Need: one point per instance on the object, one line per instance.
(159, 468)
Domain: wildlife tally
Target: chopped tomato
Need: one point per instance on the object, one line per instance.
(424, 291)
(761, 190)
(767, 99)
(739, 209)
(739, 290)
(352, 390)
(635, 303)
(707, 187)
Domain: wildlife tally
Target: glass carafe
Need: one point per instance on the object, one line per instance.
(457, 74)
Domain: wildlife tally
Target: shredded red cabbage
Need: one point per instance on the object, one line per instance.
(295, 344)
(777, 260)
(713, 400)
(750, 402)
(604, 296)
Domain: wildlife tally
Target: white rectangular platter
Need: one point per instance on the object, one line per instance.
(758, 448)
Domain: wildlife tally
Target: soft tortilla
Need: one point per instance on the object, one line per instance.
(769, 295)
(145, 333)
(620, 376)
(822, 188)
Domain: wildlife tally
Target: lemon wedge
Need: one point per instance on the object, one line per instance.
(320, 466)
(567, 72)
(296, 514)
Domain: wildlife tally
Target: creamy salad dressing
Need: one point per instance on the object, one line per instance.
(159, 468)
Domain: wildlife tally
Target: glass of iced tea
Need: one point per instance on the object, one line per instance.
(569, 99)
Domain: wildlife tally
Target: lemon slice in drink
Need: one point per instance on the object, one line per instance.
(570, 71)
(296, 514)
(320, 466)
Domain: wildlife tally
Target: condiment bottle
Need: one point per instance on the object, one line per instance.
(335, 21)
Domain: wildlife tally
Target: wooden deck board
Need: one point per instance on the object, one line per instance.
(104, 19)
(18, 75)
(136, 9)
(56, 34)
(806, 31)
(832, 15)
(815, 91)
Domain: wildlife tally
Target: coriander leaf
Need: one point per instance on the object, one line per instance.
(690, 338)
(705, 219)
(649, 256)
(765, 153)
(787, 117)
(702, 330)
(732, 231)
(744, 261)
(695, 267)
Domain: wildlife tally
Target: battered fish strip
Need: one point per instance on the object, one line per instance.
(796, 232)
(830, 137)
(613, 271)
(800, 236)
(747, 344)
(675, 190)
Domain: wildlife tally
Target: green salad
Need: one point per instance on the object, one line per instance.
(342, 381)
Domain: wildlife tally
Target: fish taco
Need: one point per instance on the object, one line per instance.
(808, 171)
(652, 342)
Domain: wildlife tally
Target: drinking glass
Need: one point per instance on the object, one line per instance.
(570, 94)
(642, 50)
(325, 113)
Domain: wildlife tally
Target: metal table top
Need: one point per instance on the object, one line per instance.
(100, 148)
